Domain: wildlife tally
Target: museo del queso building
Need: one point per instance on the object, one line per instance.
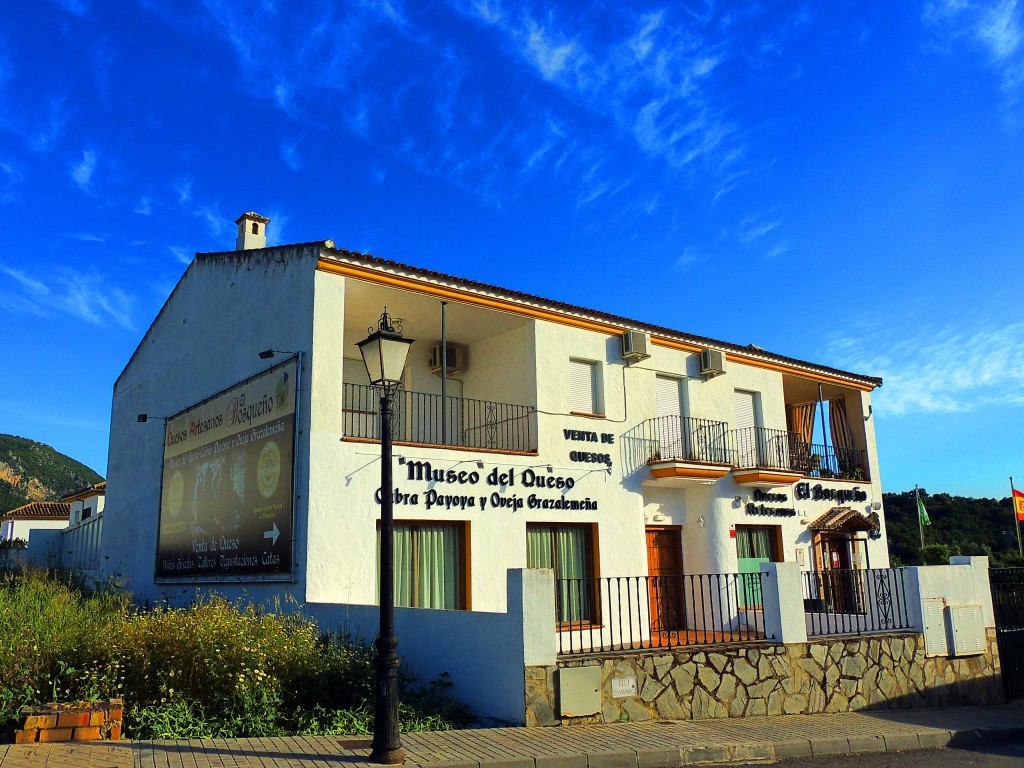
(557, 437)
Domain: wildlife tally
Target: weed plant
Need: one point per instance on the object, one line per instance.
(214, 669)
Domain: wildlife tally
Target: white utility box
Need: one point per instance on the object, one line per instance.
(579, 691)
(935, 643)
(966, 629)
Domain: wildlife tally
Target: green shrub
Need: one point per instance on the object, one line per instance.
(212, 669)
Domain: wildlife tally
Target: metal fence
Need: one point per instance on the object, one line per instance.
(678, 438)
(636, 612)
(1008, 603)
(763, 447)
(429, 419)
(818, 460)
(846, 601)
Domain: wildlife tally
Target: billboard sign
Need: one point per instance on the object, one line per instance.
(226, 498)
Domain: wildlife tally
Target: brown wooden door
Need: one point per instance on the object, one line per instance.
(665, 580)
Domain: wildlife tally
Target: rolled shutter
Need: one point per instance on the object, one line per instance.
(583, 387)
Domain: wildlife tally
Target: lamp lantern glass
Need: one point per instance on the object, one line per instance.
(385, 353)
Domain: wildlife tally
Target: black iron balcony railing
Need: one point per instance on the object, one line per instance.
(677, 438)
(418, 419)
(763, 448)
(682, 438)
(825, 461)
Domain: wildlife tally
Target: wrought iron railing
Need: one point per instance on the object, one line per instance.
(816, 460)
(418, 419)
(762, 447)
(846, 601)
(635, 612)
(677, 438)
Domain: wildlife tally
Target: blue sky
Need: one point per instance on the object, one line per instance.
(842, 184)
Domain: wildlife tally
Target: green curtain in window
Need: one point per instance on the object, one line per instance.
(754, 542)
(564, 549)
(428, 562)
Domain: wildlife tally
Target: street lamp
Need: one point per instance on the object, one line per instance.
(385, 353)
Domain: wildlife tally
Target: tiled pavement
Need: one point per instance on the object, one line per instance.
(636, 745)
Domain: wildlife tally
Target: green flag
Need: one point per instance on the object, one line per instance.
(922, 513)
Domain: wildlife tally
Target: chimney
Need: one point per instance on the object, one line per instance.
(252, 231)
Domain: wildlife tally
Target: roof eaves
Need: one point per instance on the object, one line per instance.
(584, 312)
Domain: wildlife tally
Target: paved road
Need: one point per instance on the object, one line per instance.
(1002, 755)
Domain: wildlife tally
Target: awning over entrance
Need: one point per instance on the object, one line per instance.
(842, 520)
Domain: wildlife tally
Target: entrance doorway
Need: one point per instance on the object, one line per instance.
(665, 581)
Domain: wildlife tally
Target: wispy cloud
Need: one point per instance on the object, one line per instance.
(690, 257)
(89, 237)
(183, 189)
(619, 85)
(943, 369)
(753, 228)
(996, 27)
(182, 254)
(10, 175)
(74, 7)
(144, 207)
(86, 296)
(290, 155)
(82, 171)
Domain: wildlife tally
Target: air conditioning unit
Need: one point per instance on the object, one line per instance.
(457, 359)
(636, 345)
(712, 363)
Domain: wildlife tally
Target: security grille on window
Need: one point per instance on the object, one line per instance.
(584, 396)
(429, 566)
(568, 550)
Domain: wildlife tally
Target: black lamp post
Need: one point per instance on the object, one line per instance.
(385, 352)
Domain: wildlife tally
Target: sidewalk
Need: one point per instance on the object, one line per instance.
(639, 745)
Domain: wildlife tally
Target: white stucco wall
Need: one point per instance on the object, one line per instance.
(225, 309)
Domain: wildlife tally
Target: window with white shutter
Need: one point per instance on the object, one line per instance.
(583, 387)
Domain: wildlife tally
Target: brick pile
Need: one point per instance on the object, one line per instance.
(80, 721)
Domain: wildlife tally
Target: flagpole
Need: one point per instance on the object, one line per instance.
(917, 508)
(1016, 522)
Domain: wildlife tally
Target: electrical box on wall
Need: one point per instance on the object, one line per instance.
(579, 691)
(966, 629)
(935, 643)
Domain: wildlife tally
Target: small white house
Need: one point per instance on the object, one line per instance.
(34, 516)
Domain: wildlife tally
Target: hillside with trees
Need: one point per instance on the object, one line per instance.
(32, 471)
(961, 525)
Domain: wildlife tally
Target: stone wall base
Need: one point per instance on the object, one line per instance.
(824, 675)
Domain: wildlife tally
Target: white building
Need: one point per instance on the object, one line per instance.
(35, 516)
(574, 439)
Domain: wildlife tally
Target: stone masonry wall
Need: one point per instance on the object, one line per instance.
(823, 675)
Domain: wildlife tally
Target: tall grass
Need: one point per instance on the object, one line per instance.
(212, 669)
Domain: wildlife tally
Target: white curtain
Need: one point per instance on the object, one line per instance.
(564, 548)
(428, 566)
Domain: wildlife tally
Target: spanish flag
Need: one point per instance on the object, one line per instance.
(1018, 503)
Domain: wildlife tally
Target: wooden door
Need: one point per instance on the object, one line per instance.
(665, 580)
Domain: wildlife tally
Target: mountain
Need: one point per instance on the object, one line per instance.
(31, 471)
(959, 525)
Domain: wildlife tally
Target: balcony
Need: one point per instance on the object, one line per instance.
(776, 457)
(679, 448)
(688, 449)
(417, 420)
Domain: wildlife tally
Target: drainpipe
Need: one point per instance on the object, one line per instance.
(444, 373)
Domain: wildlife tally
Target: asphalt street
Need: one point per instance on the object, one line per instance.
(1000, 755)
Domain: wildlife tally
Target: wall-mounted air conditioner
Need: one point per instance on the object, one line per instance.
(636, 345)
(712, 363)
(457, 358)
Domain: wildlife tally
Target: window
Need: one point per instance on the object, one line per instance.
(754, 545)
(255, 228)
(429, 565)
(584, 394)
(569, 551)
(86, 513)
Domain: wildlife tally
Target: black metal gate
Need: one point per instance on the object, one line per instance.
(1008, 602)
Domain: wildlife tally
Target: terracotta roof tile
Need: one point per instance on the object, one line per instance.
(40, 510)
